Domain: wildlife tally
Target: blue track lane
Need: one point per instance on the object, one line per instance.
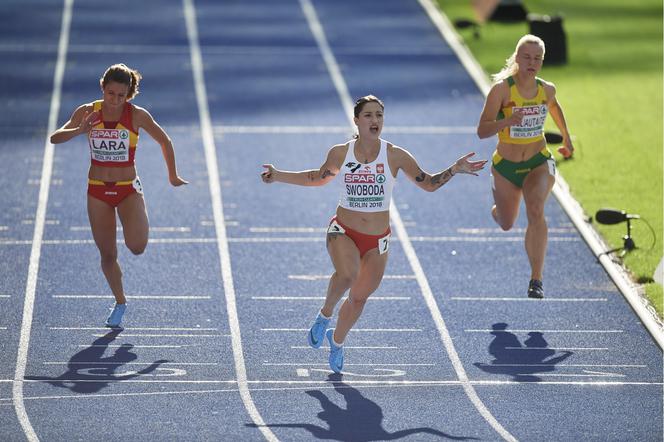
(576, 366)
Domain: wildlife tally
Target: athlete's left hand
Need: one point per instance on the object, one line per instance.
(177, 181)
(566, 151)
(464, 165)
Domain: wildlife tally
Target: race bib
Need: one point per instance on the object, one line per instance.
(109, 145)
(384, 244)
(138, 187)
(533, 121)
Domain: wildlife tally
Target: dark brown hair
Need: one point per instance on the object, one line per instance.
(122, 74)
(359, 104)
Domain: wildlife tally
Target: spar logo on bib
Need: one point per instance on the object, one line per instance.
(532, 123)
(109, 145)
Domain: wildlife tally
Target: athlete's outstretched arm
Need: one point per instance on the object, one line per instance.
(431, 182)
(145, 121)
(310, 177)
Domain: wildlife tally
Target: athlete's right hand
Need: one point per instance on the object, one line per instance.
(90, 119)
(516, 118)
(268, 175)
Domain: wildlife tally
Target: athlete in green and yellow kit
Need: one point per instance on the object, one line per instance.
(516, 109)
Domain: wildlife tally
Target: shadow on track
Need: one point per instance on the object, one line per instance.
(521, 361)
(360, 421)
(89, 372)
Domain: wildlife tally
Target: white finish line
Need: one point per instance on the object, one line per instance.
(134, 297)
(526, 299)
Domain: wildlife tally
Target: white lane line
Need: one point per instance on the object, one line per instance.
(61, 242)
(355, 330)
(487, 239)
(218, 215)
(525, 299)
(127, 363)
(572, 365)
(533, 349)
(443, 331)
(152, 229)
(151, 335)
(246, 50)
(497, 230)
(5, 296)
(40, 219)
(486, 330)
(572, 375)
(3, 328)
(138, 328)
(419, 130)
(316, 277)
(290, 239)
(287, 229)
(276, 239)
(134, 346)
(331, 385)
(359, 347)
(134, 297)
(348, 381)
(4, 228)
(347, 104)
(318, 298)
(315, 364)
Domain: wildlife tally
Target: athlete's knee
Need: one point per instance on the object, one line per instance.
(346, 277)
(356, 302)
(108, 257)
(535, 210)
(137, 248)
(504, 224)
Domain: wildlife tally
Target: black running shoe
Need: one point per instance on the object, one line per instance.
(535, 289)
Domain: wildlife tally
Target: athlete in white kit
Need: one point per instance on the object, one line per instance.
(358, 235)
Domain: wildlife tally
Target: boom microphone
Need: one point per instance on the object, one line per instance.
(613, 216)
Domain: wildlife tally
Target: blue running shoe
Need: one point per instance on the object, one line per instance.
(336, 353)
(115, 317)
(317, 331)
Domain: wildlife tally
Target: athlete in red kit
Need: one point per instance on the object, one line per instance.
(358, 235)
(112, 126)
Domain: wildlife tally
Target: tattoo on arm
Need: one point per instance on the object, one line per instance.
(326, 174)
(311, 176)
(420, 177)
(441, 178)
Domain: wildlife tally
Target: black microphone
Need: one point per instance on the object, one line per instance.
(613, 216)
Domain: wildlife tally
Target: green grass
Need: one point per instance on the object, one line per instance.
(611, 92)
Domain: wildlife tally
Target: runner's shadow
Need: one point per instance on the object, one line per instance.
(360, 421)
(522, 362)
(88, 371)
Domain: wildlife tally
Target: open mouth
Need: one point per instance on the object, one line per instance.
(374, 129)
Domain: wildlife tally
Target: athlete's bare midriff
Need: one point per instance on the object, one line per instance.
(108, 174)
(369, 223)
(519, 152)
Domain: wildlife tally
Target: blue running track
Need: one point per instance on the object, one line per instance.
(214, 345)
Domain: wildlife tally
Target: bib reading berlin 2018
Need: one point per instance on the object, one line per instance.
(109, 145)
(365, 190)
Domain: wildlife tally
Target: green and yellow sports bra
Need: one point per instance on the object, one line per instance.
(534, 110)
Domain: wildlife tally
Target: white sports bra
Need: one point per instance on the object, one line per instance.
(366, 187)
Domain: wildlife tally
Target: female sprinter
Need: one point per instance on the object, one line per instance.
(515, 109)
(112, 126)
(358, 236)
